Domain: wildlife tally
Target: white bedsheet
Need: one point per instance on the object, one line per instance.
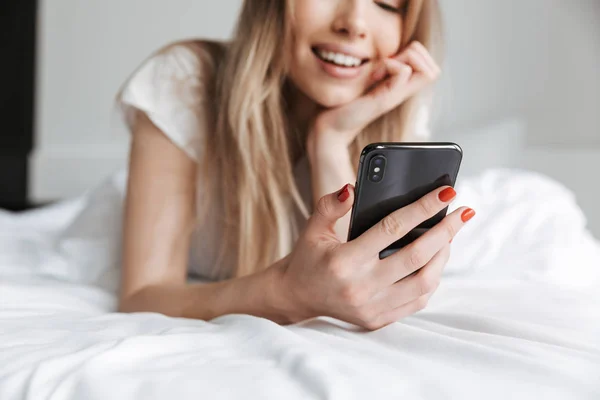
(517, 316)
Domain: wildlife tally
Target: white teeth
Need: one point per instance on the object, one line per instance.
(339, 59)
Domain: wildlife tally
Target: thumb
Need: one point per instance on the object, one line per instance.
(330, 208)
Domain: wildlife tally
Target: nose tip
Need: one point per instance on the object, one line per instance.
(353, 32)
(351, 21)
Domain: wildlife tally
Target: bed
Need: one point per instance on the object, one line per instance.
(517, 315)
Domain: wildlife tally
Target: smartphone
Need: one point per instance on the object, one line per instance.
(394, 175)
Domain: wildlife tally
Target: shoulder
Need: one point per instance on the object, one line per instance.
(185, 61)
(190, 58)
(173, 87)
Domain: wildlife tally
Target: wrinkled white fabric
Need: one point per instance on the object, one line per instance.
(517, 316)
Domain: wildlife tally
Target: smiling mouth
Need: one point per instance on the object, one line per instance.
(339, 59)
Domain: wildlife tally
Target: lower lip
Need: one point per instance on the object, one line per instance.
(339, 72)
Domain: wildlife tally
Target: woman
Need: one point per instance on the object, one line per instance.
(234, 146)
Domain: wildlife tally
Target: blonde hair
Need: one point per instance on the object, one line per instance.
(252, 145)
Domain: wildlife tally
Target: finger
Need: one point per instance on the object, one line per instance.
(329, 209)
(427, 56)
(404, 82)
(425, 281)
(397, 224)
(381, 99)
(400, 72)
(379, 72)
(418, 63)
(418, 57)
(388, 94)
(421, 251)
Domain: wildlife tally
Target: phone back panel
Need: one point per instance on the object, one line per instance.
(412, 170)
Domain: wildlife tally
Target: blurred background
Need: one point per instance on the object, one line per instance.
(521, 87)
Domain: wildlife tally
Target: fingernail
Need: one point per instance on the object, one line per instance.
(379, 73)
(447, 195)
(344, 194)
(467, 215)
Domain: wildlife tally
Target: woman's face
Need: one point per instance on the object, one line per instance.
(337, 43)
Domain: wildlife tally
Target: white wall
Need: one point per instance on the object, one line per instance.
(86, 51)
(532, 59)
(535, 58)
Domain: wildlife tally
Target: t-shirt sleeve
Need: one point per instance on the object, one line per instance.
(168, 88)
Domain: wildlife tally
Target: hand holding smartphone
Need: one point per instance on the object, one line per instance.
(399, 206)
(394, 175)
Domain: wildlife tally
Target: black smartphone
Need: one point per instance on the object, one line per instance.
(394, 175)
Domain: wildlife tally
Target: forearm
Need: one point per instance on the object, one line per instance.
(259, 294)
(329, 174)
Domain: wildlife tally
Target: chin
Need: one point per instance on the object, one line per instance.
(333, 98)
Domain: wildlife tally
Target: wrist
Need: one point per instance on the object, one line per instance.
(329, 156)
(278, 298)
(325, 146)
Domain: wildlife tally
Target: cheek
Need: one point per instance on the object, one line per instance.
(388, 40)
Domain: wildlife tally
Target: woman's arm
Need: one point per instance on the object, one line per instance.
(159, 221)
(322, 276)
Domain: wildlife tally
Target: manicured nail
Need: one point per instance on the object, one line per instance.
(447, 195)
(344, 194)
(467, 215)
(379, 73)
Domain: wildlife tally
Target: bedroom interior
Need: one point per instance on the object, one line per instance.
(517, 314)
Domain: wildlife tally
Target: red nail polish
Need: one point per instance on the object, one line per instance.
(344, 194)
(447, 195)
(467, 215)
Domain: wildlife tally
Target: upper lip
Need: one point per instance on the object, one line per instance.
(347, 50)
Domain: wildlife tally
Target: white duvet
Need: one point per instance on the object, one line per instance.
(517, 316)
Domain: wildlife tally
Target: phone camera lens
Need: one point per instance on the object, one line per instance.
(377, 167)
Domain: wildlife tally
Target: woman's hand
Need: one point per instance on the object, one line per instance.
(396, 80)
(348, 281)
(333, 130)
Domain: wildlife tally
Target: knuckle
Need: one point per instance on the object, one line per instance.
(414, 54)
(354, 296)
(432, 76)
(337, 267)
(427, 207)
(417, 44)
(373, 325)
(392, 225)
(451, 231)
(427, 284)
(362, 315)
(323, 206)
(405, 69)
(416, 258)
(421, 303)
(368, 319)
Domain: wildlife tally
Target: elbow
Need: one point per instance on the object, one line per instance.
(129, 303)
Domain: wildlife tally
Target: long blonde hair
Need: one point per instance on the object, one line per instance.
(247, 162)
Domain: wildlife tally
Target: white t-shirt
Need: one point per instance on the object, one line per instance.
(165, 88)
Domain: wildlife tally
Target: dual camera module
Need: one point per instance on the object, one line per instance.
(377, 168)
